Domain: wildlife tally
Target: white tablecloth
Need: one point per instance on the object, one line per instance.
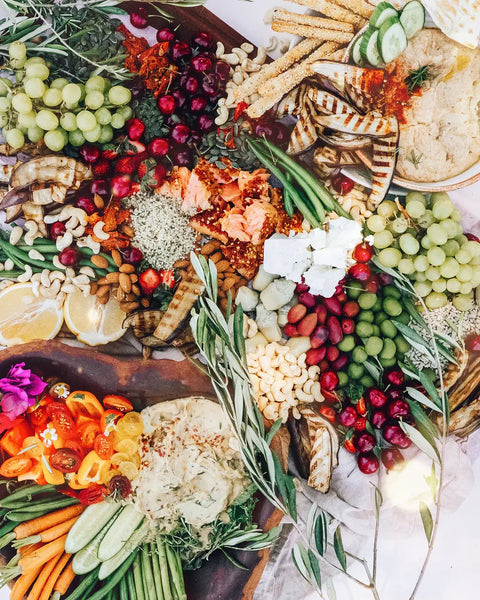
(454, 572)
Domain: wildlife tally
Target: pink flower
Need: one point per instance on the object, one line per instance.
(20, 388)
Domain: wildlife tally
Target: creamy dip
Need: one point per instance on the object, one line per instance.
(442, 127)
(191, 469)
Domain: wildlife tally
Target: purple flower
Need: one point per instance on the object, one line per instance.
(20, 388)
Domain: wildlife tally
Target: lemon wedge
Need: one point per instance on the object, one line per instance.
(25, 317)
(93, 323)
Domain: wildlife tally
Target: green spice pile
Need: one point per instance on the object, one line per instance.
(162, 230)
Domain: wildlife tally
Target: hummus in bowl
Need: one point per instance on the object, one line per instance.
(440, 135)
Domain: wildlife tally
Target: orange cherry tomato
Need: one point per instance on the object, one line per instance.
(39, 417)
(15, 466)
(103, 446)
(361, 407)
(350, 447)
(84, 403)
(118, 403)
(328, 412)
(88, 432)
(12, 441)
(76, 446)
(109, 420)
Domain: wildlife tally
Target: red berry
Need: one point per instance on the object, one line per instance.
(471, 237)
(135, 129)
(363, 252)
(201, 64)
(394, 434)
(90, 154)
(127, 165)
(121, 186)
(68, 257)
(348, 416)
(342, 296)
(350, 446)
(101, 168)
(360, 424)
(159, 175)
(351, 309)
(165, 35)
(135, 147)
(132, 255)
(203, 40)
(139, 18)
(198, 103)
(394, 376)
(180, 133)
(86, 203)
(158, 147)
(342, 184)
(57, 229)
(179, 51)
(328, 380)
(206, 123)
(376, 397)
(329, 413)
(348, 326)
(100, 187)
(166, 104)
(307, 299)
(368, 463)
(395, 393)
(385, 279)
(301, 287)
(290, 330)
(191, 85)
(307, 324)
(365, 442)
(378, 419)
(149, 280)
(372, 284)
(360, 271)
(392, 459)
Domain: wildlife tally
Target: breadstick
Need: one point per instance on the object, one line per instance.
(329, 9)
(291, 17)
(330, 35)
(273, 90)
(360, 7)
(250, 85)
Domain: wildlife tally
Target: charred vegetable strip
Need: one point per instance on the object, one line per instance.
(383, 167)
(303, 135)
(328, 103)
(369, 124)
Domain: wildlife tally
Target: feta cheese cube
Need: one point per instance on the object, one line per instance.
(345, 233)
(332, 257)
(323, 280)
(282, 252)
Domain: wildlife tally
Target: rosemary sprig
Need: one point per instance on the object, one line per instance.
(415, 158)
(417, 77)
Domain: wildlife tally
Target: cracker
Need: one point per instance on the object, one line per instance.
(292, 17)
(270, 70)
(360, 7)
(273, 90)
(326, 35)
(332, 10)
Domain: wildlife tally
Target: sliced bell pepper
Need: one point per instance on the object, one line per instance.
(74, 483)
(84, 403)
(34, 474)
(13, 439)
(93, 469)
(52, 475)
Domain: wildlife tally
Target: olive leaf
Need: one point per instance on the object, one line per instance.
(427, 520)
(338, 547)
(427, 446)
(422, 399)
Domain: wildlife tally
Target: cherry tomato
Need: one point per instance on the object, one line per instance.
(84, 403)
(103, 446)
(76, 446)
(69, 492)
(361, 407)
(109, 420)
(65, 460)
(16, 465)
(328, 412)
(39, 417)
(349, 446)
(93, 494)
(64, 424)
(88, 432)
(360, 424)
(119, 403)
(120, 485)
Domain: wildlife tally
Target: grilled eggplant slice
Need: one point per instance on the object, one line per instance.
(54, 194)
(304, 134)
(14, 197)
(50, 169)
(301, 446)
(344, 141)
(292, 104)
(383, 166)
(365, 125)
(328, 104)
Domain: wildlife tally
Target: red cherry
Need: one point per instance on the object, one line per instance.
(342, 185)
(378, 419)
(179, 51)
(222, 69)
(68, 257)
(206, 123)
(158, 147)
(191, 85)
(360, 424)
(473, 344)
(385, 279)
(393, 376)
(90, 154)
(365, 442)
(376, 397)
(360, 271)
(135, 129)
(180, 133)
(100, 187)
(57, 229)
(203, 40)
(471, 237)
(368, 463)
(86, 203)
(398, 408)
(392, 459)
(340, 363)
(121, 186)
(372, 284)
(182, 157)
(328, 380)
(139, 18)
(211, 84)
(363, 252)
(395, 393)
(132, 256)
(198, 103)
(395, 435)
(341, 296)
(166, 104)
(165, 35)
(180, 97)
(332, 353)
(201, 64)
(348, 416)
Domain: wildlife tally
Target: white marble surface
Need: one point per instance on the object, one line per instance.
(453, 572)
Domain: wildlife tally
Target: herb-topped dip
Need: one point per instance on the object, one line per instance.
(191, 468)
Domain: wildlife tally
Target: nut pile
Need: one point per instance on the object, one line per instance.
(281, 381)
(123, 283)
(241, 65)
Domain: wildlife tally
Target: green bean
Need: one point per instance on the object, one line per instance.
(157, 576)
(37, 510)
(131, 586)
(176, 574)
(87, 583)
(113, 580)
(123, 589)
(137, 578)
(163, 564)
(20, 255)
(148, 581)
(27, 492)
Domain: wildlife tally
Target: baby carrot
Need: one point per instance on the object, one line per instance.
(23, 583)
(63, 582)
(35, 526)
(43, 577)
(52, 580)
(43, 554)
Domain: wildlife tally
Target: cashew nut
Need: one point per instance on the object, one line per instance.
(271, 412)
(78, 231)
(303, 397)
(250, 67)
(57, 275)
(88, 271)
(261, 56)
(27, 275)
(64, 241)
(36, 288)
(45, 278)
(9, 264)
(247, 47)
(32, 232)
(15, 235)
(300, 381)
(296, 413)
(68, 288)
(57, 263)
(223, 114)
(220, 51)
(98, 231)
(81, 280)
(231, 59)
(307, 388)
(316, 392)
(242, 55)
(35, 254)
(262, 403)
(88, 242)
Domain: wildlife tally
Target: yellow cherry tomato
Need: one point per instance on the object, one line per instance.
(128, 469)
(126, 446)
(130, 425)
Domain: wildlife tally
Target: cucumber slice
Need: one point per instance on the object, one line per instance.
(369, 47)
(412, 18)
(383, 12)
(356, 56)
(392, 39)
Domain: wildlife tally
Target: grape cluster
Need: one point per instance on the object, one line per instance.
(426, 242)
(58, 112)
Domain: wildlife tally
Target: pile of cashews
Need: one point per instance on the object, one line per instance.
(281, 381)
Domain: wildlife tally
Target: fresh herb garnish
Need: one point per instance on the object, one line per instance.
(415, 158)
(417, 77)
(146, 109)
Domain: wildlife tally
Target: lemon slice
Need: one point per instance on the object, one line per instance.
(25, 317)
(93, 323)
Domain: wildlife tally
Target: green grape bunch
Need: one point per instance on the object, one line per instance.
(59, 112)
(426, 242)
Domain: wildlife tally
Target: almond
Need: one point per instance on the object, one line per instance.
(136, 289)
(181, 264)
(229, 283)
(210, 247)
(117, 257)
(129, 306)
(103, 299)
(102, 291)
(127, 268)
(93, 288)
(99, 261)
(98, 201)
(216, 257)
(103, 281)
(125, 283)
(127, 230)
(112, 277)
(145, 302)
(222, 265)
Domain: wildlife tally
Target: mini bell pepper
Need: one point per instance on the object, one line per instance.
(93, 469)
